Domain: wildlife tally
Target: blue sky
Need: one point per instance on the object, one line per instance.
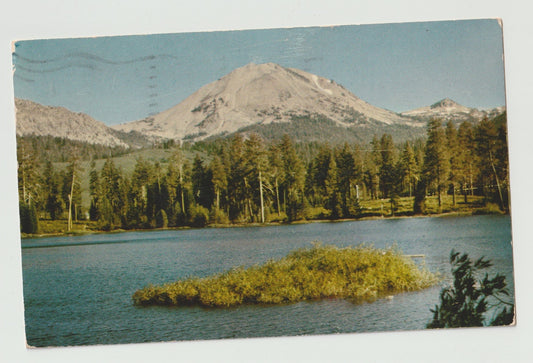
(395, 66)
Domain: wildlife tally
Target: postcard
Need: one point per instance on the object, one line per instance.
(263, 183)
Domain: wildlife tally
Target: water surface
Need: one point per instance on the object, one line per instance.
(77, 290)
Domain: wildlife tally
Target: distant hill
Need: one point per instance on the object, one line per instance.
(448, 109)
(269, 96)
(34, 119)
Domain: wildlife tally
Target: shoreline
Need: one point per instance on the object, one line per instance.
(76, 233)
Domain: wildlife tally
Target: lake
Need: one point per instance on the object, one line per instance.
(77, 290)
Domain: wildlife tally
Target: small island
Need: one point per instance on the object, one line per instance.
(359, 274)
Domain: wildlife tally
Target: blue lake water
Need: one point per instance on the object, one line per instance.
(77, 290)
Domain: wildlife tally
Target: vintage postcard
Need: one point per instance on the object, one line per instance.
(263, 183)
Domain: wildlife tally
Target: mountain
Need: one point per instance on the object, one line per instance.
(261, 95)
(39, 120)
(448, 109)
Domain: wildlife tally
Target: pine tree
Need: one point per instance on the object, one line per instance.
(219, 179)
(319, 174)
(293, 180)
(256, 162)
(332, 190)
(29, 223)
(455, 162)
(373, 165)
(408, 167)
(54, 204)
(202, 184)
(275, 170)
(93, 192)
(386, 172)
(236, 180)
(28, 176)
(346, 174)
(111, 199)
(491, 148)
(466, 158)
(177, 182)
(436, 160)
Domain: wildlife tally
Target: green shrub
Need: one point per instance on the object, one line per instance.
(274, 217)
(465, 303)
(29, 223)
(359, 274)
(161, 219)
(180, 219)
(199, 216)
(489, 208)
(311, 213)
(218, 216)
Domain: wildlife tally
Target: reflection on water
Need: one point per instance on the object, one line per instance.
(78, 290)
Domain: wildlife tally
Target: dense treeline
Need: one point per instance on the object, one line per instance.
(58, 149)
(247, 180)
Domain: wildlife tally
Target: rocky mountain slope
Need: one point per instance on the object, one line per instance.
(260, 95)
(448, 109)
(266, 98)
(35, 119)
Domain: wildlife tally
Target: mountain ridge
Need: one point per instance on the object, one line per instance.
(265, 98)
(35, 119)
(262, 94)
(447, 109)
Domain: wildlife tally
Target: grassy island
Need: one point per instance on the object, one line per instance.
(356, 273)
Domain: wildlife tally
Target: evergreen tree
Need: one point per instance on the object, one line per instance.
(72, 189)
(110, 196)
(236, 180)
(502, 159)
(93, 192)
(408, 167)
(177, 187)
(466, 158)
(202, 184)
(319, 174)
(141, 179)
(293, 180)
(219, 179)
(28, 176)
(386, 170)
(332, 190)
(54, 204)
(419, 206)
(389, 173)
(491, 148)
(276, 172)
(29, 223)
(256, 163)
(436, 160)
(346, 174)
(455, 161)
(373, 166)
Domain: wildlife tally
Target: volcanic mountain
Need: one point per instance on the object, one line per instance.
(448, 109)
(263, 94)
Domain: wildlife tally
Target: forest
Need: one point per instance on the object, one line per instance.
(247, 179)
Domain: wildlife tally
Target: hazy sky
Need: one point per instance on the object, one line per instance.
(395, 66)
